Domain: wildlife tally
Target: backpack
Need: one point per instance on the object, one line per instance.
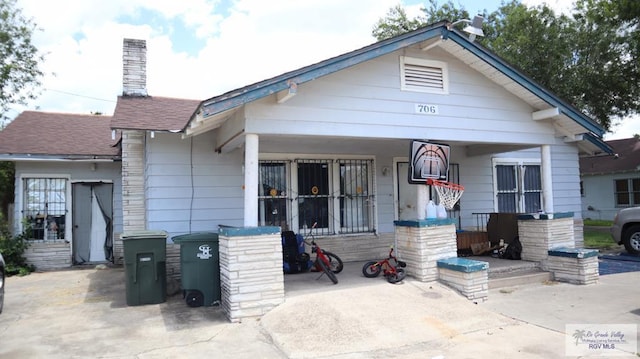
(294, 258)
(513, 250)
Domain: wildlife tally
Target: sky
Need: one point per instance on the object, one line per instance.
(197, 49)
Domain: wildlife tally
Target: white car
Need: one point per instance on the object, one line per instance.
(626, 229)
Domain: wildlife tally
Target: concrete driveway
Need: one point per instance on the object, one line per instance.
(82, 313)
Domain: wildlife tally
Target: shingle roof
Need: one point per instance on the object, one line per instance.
(627, 159)
(60, 134)
(152, 113)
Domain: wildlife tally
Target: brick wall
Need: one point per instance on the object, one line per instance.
(134, 67)
(49, 255)
(422, 247)
(251, 276)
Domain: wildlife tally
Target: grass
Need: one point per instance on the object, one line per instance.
(597, 223)
(598, 240)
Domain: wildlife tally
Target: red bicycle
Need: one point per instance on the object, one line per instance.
(392, 268)
(327, 262)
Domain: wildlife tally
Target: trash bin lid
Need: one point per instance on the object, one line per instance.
(144, 234)
(196, 237)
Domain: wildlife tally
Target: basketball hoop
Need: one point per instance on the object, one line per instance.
(448, 193)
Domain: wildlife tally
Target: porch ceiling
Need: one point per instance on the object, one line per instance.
(366, 146)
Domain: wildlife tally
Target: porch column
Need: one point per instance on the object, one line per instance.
(547, 185)
(251, 177)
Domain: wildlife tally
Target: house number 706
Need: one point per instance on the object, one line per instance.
(424, 109)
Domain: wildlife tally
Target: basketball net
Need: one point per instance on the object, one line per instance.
(448, 193)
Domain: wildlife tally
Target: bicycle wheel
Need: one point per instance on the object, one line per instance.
(335, 262)
(327, 271)
(397, 276)
(371, 269)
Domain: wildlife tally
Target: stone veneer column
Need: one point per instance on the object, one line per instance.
(133, 188)
(539, 235)
(251, 275)
(574, 265)
(421, 243)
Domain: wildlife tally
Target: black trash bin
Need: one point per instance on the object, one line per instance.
(145, 255)
(199, 268)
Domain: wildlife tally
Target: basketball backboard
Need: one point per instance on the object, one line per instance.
(428, 160)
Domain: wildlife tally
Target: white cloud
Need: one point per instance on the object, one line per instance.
(626, 128)
(256, 40)
(251, 41)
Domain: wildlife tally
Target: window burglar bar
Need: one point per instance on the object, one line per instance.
(335, 194)
(45, 207)
(355, 196)
(273, 204)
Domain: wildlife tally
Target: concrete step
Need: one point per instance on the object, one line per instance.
(516, 278)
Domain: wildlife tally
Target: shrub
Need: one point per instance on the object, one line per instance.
(12, 249)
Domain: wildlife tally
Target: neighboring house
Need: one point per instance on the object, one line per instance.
(67, 185)
(609, 183)
(330, 143)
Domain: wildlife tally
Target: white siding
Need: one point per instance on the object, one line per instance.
(77, 172)
(180, 200)
(566, 179)
(369, 95)
(360, 110)
(599, 193)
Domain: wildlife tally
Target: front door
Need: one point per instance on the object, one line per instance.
(92, 222)
(407, 193)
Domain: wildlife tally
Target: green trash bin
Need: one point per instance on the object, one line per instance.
(145, 254)
(199, 268)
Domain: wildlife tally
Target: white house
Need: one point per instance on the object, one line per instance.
(612, 182)
(329, 143)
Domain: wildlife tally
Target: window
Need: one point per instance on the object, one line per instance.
(423, 75)
(518, 188)
(627, 192)
(333, 193)
(45, 207)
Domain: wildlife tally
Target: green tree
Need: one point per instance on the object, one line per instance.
(589, 58)
(19, 66)
(7, 173)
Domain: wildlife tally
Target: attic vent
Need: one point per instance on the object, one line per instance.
(423, 75)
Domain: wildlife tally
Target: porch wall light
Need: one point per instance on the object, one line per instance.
(474, 28)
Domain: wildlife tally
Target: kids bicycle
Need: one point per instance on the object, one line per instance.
(326, 262)
(392, 268)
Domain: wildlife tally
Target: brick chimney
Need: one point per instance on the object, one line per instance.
(134, 68)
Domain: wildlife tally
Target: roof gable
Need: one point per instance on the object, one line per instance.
(58, 134)
(569, 121)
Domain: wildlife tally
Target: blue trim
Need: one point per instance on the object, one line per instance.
(545, 216)
(598, 142)
(573, 252)
(268, 87)
(248, 231)
(463, 265)
(424, 222)
(526, 82)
